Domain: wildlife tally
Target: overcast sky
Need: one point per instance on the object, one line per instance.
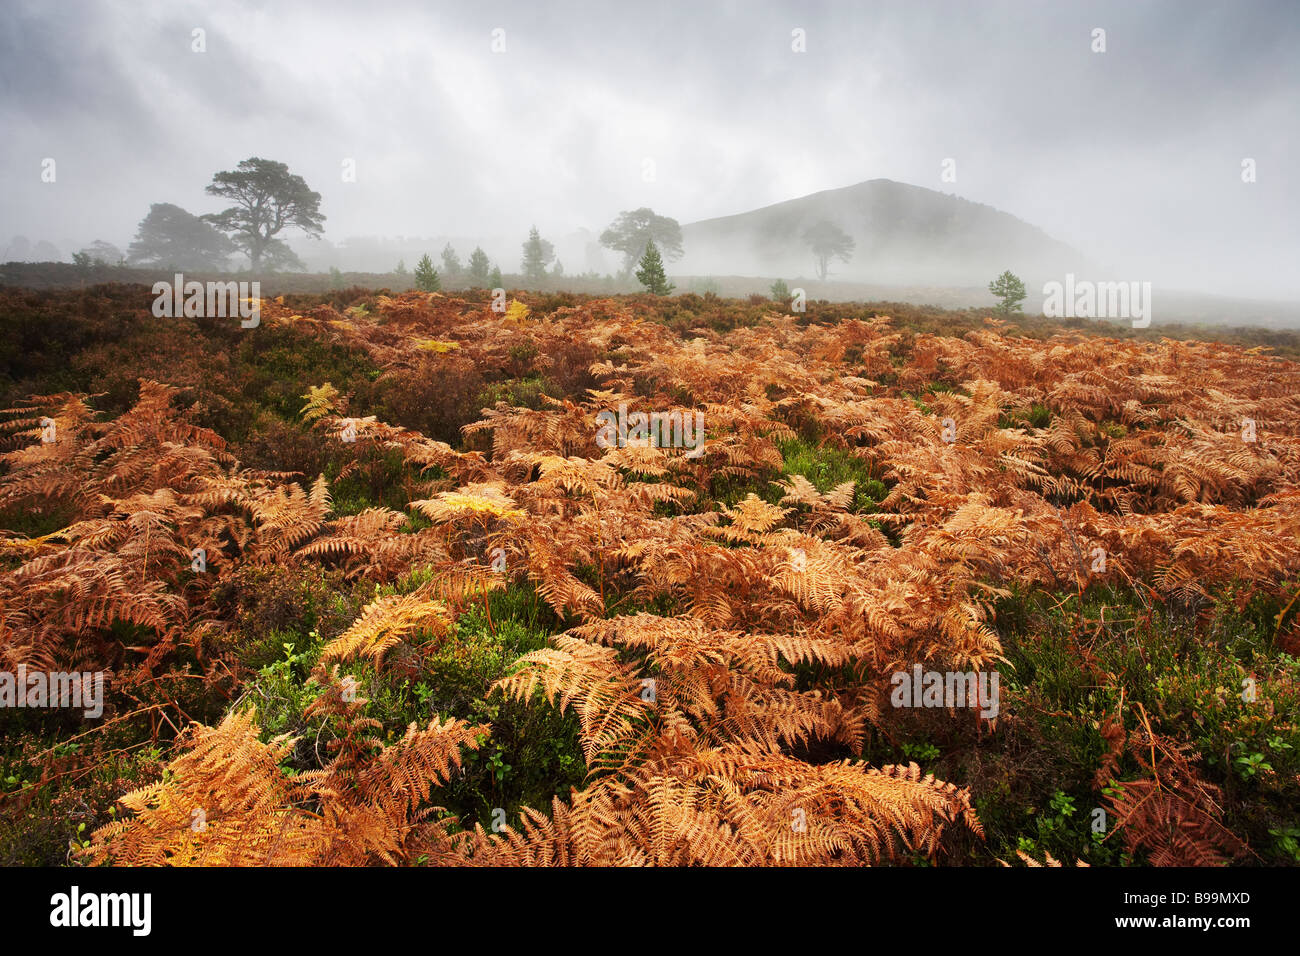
(1132, 155)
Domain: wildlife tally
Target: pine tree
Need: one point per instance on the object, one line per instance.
(651, 274)
(478, 267)
(426, 276)
(780, 291)
(450, 262)
(494, 279)
(828, 241)
(1010, 290)
(538, 254)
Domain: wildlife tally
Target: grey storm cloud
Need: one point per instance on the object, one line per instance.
(1132, 155)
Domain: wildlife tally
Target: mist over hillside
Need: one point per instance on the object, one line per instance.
(903, 235)
(910, 244)
(950, 147)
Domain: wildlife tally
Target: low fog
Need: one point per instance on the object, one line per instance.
(1127, 161)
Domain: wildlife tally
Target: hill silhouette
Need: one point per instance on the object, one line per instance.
(903, 234)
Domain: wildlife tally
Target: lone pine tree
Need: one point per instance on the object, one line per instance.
(426, 276)
(478, 267)
(1010, 290)
(651, 274)
(538, 254)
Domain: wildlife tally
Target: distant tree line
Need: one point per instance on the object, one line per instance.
(266, 199)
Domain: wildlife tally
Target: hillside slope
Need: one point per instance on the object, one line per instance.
(904, 234)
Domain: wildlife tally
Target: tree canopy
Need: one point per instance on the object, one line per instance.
(267, 199)
(426, 276)
(633, 230)
(169, 236)
(102, 253)
(538, 254)
(651, 274)
(1010, 290)
(828, 241)
(478, 267)
(451, 266)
